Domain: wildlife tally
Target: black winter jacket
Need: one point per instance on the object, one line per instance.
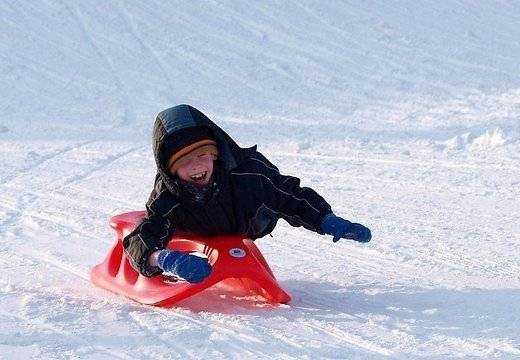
(248, 195)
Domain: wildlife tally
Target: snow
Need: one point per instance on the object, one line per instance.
(405, 115)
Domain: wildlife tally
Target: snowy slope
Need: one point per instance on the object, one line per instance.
(405, 115)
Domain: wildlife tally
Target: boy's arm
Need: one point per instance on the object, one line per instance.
(150, 235)
(299, 206)
(302, 206)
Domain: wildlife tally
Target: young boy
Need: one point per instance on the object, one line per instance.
(207, 185)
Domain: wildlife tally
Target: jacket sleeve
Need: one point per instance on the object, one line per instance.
(151, 234)
(299, 206)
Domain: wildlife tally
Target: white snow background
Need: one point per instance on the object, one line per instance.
(405, 115)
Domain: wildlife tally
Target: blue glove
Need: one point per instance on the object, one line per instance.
(341, 228)
(191, 268)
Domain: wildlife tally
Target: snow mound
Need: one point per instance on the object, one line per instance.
(490, 139)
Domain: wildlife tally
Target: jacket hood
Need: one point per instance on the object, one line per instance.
(186, 116)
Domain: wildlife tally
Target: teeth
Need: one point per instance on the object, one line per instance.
(199, 176)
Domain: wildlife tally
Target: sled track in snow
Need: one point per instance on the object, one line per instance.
(373, 263)
(442, 260)
(470, 266)
(125, 99)
(119, 354)
(104, 163)
(353, 340)
(417, 185)
(18, 207)
(379, 265)
(41, 322)
(109, 159)
(19, 214)
(130, 24)
(445, 164)
(42, 160)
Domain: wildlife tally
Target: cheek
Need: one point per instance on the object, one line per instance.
(182, 173)
(209, 164)
(204, 162)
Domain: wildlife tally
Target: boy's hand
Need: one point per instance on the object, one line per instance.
(341, 228)
(191, 268)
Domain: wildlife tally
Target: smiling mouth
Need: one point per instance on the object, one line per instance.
(199, 176)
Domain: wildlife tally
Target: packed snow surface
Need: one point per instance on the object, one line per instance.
(405, 115)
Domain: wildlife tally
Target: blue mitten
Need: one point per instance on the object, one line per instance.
(341, 228)
(191, 268)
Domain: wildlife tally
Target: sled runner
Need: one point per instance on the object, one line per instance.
(237, 264)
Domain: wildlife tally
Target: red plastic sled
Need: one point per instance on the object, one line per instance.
(236, 261)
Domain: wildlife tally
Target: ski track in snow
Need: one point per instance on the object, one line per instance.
(401, 123)
(125, 100)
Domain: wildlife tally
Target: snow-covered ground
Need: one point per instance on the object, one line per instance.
(405, 115)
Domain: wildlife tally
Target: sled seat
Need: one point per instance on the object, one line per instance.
(237, 264)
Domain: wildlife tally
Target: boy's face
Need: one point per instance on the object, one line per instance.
(197, 170)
